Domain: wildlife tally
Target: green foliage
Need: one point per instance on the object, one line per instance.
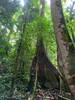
(69, 13)
(5, 80)
(45, 28)
(11, 31)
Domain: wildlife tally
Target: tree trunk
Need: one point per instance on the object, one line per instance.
(64, 43)
(19, 63)
(42, 3)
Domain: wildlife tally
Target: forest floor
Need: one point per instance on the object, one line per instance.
(41, 94)
(51, 95)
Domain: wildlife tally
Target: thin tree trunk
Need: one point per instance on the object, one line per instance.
(42, 3)
(18, 63)
(64, 43)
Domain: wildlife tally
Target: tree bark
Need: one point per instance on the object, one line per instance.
(47, 74)
(64, 43)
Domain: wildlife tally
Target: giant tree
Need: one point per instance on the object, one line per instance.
(46, 72)
(64, 43)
